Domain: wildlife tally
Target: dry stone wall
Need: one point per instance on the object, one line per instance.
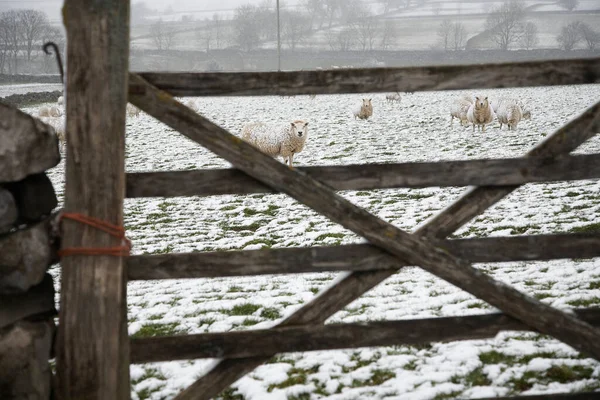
(28, 148)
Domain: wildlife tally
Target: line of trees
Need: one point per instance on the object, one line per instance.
(22, 33)
(575, 32)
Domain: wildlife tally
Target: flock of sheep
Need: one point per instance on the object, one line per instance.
(289, 139)
(480, 111)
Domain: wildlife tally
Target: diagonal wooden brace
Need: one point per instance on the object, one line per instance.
(411, 249)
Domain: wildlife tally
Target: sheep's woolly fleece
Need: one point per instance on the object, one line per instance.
(416, 130)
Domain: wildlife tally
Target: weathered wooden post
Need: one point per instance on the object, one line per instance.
(92, 344)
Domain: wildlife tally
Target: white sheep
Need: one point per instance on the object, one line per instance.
(364, 111)
(191, 104)
(459, 109)
(132, 111)
(58, 123)
(393, 97)
(284, 141)
(49, 111)
(509, 112)
(61, 101)
(480, 113)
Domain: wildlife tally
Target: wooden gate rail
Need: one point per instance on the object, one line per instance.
(491, 172)
(374, 80)
(356, 257)
(287, 339)
(411, 248)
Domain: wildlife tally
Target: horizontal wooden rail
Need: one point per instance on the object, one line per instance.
(371, 80)
(359, 257)
(265, 342)
(492, 172)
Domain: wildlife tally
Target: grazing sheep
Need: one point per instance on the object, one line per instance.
(61, 101)
(509, 113)
(524, 109)
(51, 111)
(365, 111)
(132, 111)
(284, 141)
(459, 109)
(393, 97)
(480, 113)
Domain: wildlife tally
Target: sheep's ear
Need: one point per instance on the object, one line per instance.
(293, 125)
(486, 98)
(306, 124)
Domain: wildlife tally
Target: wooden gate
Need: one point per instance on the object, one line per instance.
(102, 353)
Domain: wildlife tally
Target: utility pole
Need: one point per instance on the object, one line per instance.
(278, 41)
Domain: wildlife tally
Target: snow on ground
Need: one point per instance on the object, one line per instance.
(417, 129)
(6, 90)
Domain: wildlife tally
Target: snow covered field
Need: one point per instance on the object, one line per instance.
(417, 129)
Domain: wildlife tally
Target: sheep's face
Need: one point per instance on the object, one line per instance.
(366, 103)
(299, 129)
(481, 102)
(527, 114)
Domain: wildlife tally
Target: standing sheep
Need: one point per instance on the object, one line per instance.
(191, 104)
(284, 141)
(459, 109)
(509, 113)
(393, 97)
(61, 101)
(480, 113)
(365, 111)
(132, 111)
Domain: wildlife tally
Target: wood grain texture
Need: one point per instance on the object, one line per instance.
(495, 172)
(356, 257)
(373, 80)
(411, 249)
(92, 344)
(264, 342)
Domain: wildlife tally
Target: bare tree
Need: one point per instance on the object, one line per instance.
(365, 27)
(568, 4)
(32, 25)
(294, 28)
(530, 36)
(11, 37)
(266, 21)
(444, 32)
(216, 27)
(436, 8)
(343, 40)
(246, 27)
(388, 34)
(163, 35)
(589, 36)
(332, 7)
(505, 23)
(459, 36)
(56, 35)
(569, 35)
(316, 11)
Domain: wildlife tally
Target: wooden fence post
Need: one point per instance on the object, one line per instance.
(92, 344)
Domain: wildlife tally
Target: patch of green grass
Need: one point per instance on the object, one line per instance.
(541, 296)
(301, 396)
(293, 379)
(377, 378)
(230, 394)
(495, 357)
(229, 208)
(329, 235)
(149, 373)
(242, 309)
(477, 305)
(239, 228)
(206, 321)
(362, 193)
(314, 290)
(156, 316)
(270, 313)
(250, 322)
(444, 396)
(594, 285)
(266, 243)
(591, 228)
(584, 302)
(153, 330)
(572, 194)
(235, 289)
(477, 378)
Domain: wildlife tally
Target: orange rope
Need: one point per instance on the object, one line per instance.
(117, 231)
